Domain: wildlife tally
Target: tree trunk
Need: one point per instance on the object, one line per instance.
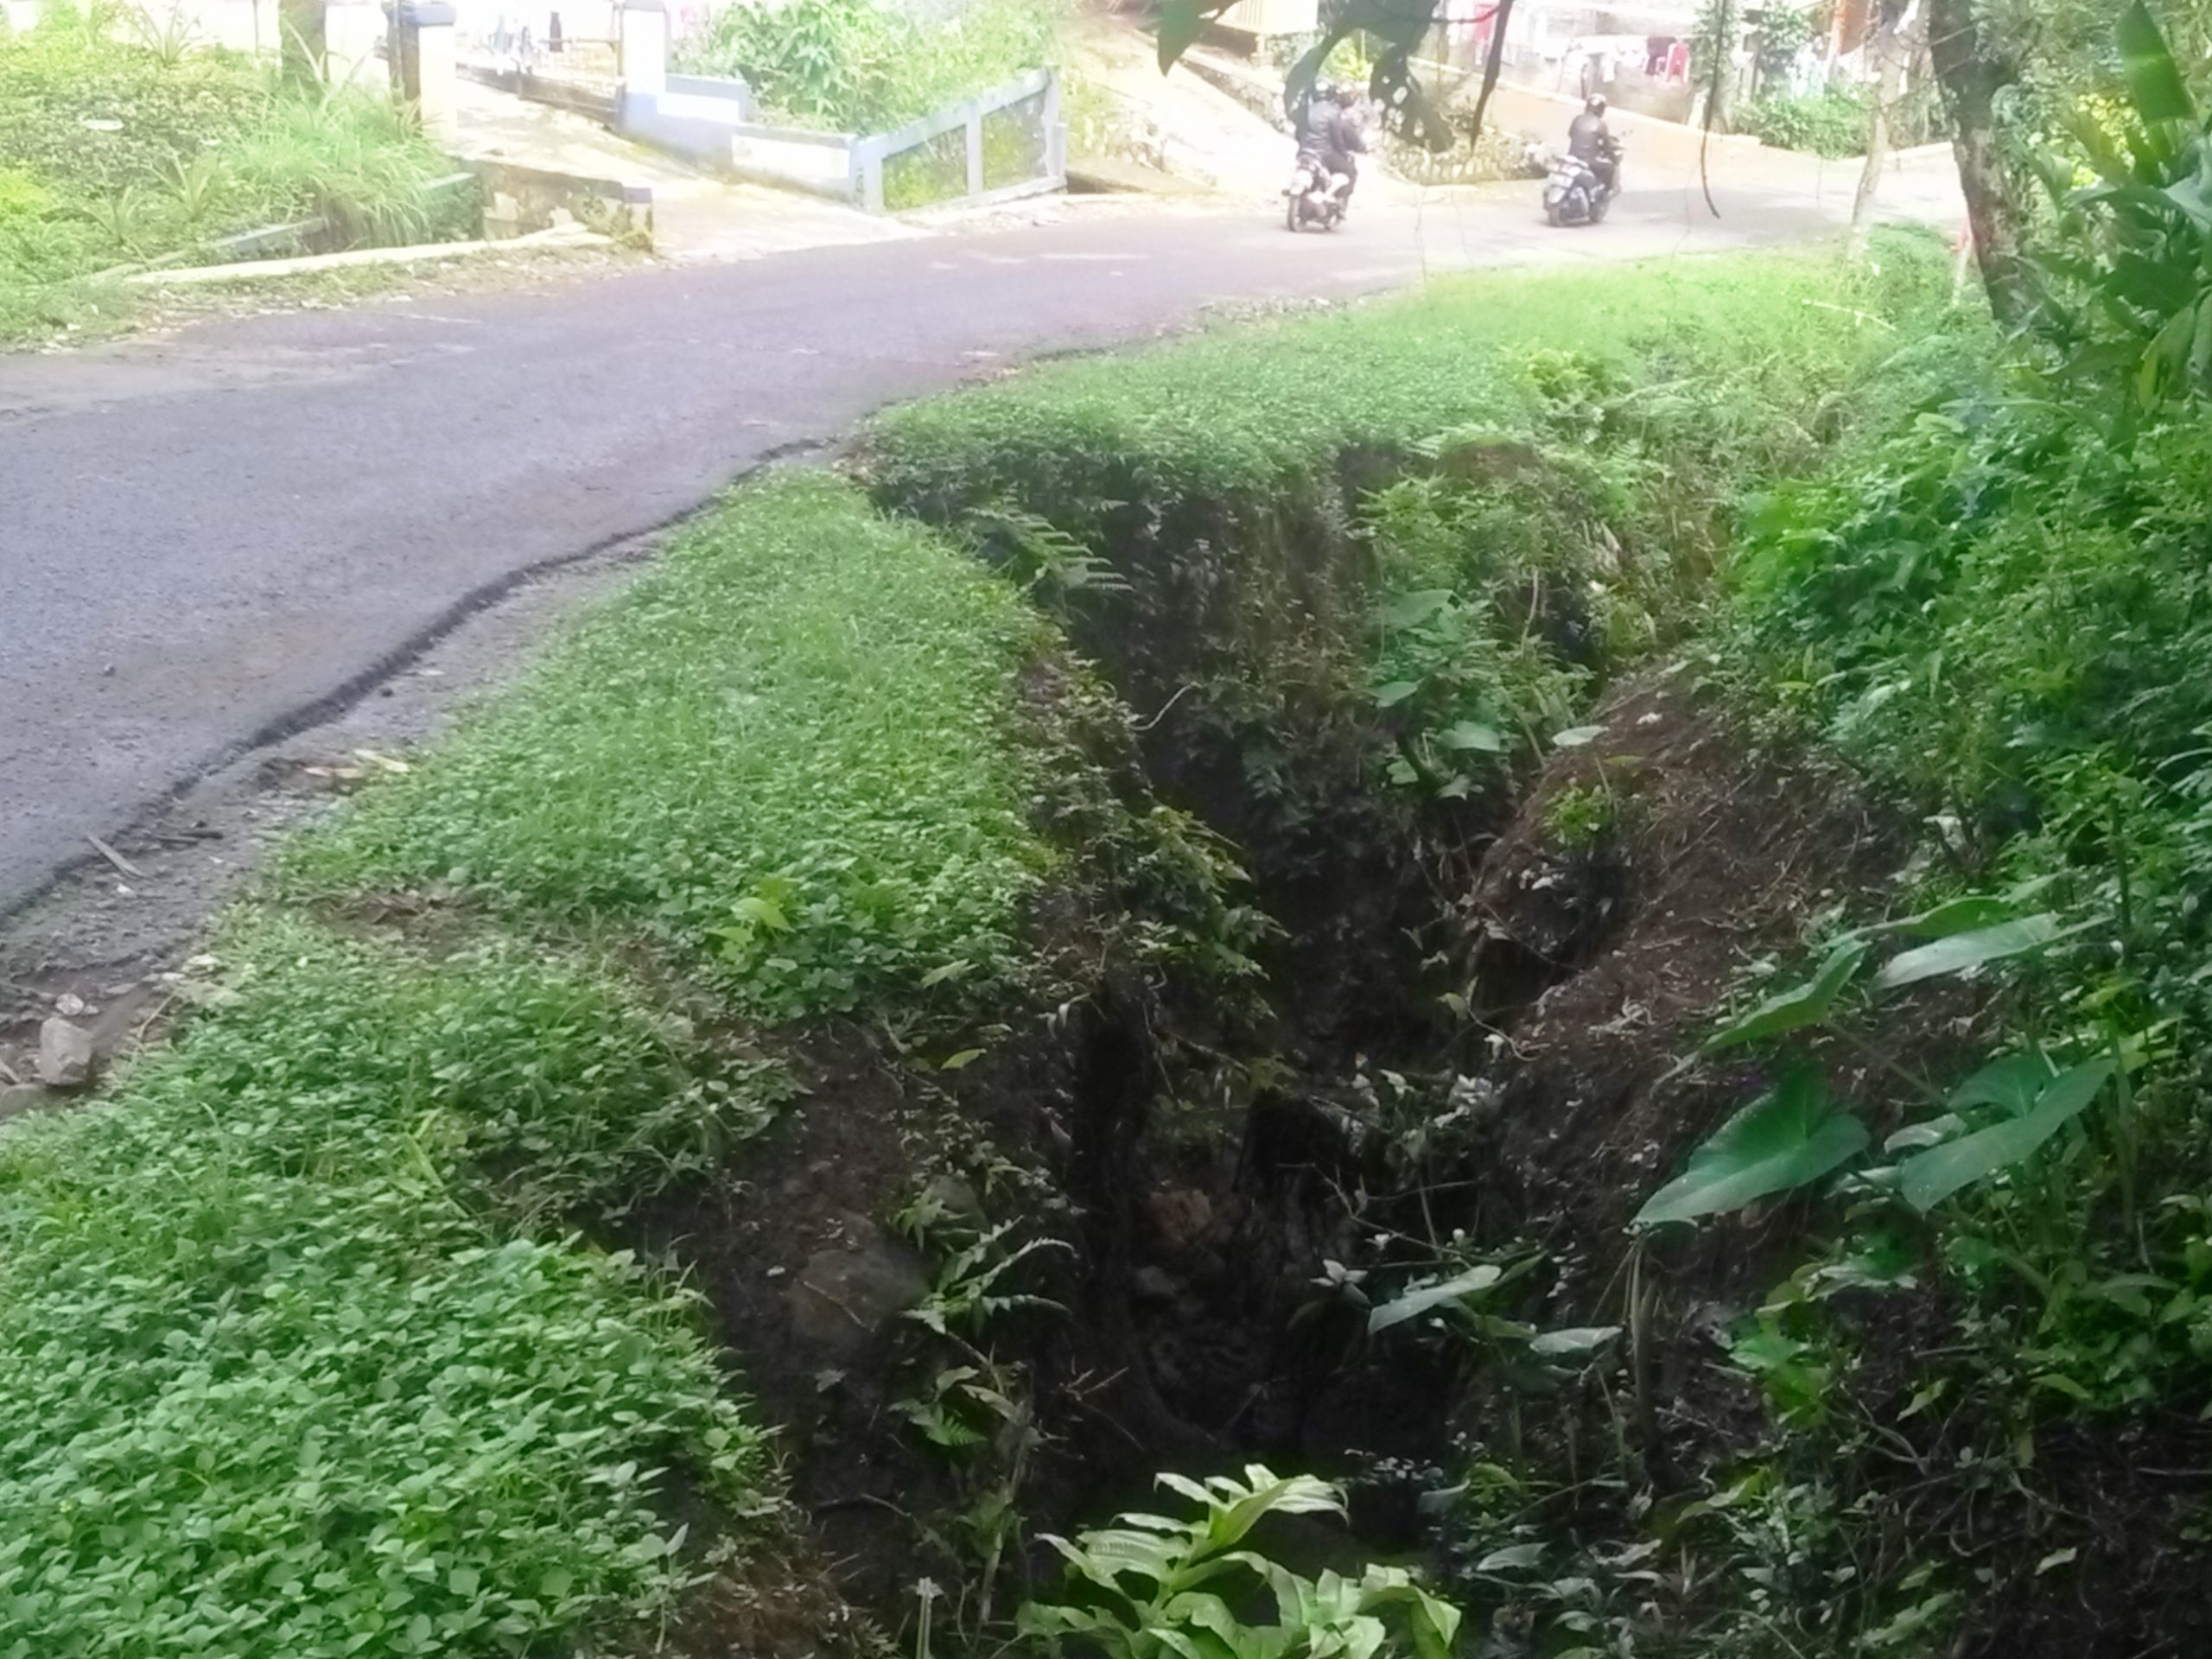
(1498, 19)
(1971, 79)
(1893, 49)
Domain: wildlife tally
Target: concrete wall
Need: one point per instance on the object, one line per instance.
(239, 25)
(1263, 18)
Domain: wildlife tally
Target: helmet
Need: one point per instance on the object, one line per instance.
(1595, 104)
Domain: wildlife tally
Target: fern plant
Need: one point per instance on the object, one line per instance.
(1152, 1586)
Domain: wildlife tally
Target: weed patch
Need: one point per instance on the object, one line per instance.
(787, 755)
(280, 1378)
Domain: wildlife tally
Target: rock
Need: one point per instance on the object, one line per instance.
(70, 1006)
(1154, 1285)
(1181, 1216)
(65, 1054)
(22, 1098)
(846, 1296)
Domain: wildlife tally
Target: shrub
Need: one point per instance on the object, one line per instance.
(1833, 123)
(869, 65)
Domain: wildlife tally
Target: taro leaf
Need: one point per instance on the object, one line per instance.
(1963, 915)
(2015, 1082)
(1782, 1141)
(1473, 734)
(1390, 695)
(1411, 610)
(1960, 951)
(1575, 737)
(1414, 1303)
(1933, 1176)
(1793, 1009)
(1580, 1342)
(1513, 1557)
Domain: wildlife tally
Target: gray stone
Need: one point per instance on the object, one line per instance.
(846, 1296)
(954, 1197)
(21, 1097)
(1154, 1285)
(65, 1054)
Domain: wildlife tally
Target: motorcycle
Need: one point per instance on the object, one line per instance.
(1317, 197)
(1577, 192)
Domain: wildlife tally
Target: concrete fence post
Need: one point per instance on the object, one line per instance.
(642, 54)
(426, 63)
(350, 31)
(1056, 131)
(975, 152)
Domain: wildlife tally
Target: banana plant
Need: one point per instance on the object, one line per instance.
(1398, 26)
(2135, 250)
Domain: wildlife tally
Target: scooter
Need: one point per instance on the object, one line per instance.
(1316, 197)
(1576, 193)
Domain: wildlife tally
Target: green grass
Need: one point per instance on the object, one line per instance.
(296, 1356)
(1229, 483)
(787, 756)
(277, 1376)
(1248, 409)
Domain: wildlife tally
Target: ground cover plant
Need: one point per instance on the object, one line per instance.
(283, 1375)
(796, 773)
(354, 1389)
(1540, 474)
(119, 149)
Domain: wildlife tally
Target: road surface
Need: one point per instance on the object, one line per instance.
(212, 541)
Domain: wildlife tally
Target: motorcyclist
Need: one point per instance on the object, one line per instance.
(1591, 142)
(1332, 131)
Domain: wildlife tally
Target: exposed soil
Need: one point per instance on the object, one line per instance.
(1203, 1214)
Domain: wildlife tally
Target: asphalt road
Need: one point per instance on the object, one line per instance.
(213, 540)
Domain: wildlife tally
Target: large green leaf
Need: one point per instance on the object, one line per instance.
(2154, 79)
(1934, 1175)
(1960, 951)
(1797, 1007)
(1181, 23)
(1783, 1140)
(2015, 1084)
(1414, 1303)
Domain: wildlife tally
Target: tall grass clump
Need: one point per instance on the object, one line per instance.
(119, 151)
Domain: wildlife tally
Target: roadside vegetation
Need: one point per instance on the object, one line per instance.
(1996, 618)
(869, 65)
(319, 1334)
(123, 147)
(1569, 906)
